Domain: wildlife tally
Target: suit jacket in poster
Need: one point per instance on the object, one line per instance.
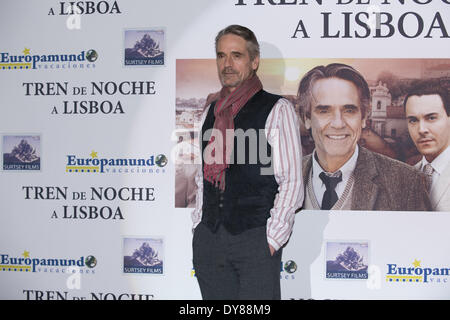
(440, 191)
(382, 183)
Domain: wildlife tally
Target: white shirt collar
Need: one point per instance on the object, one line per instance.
(347, 170)
(440, 163)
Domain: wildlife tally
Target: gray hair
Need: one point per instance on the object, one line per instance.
(246, 34)
(333, 70)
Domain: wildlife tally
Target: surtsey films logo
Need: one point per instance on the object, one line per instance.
(144, 47)
(97, 164)
(143, 255)
(347, 260)
(28, 263)
(415, 273)
(26, 60)
(21, 152)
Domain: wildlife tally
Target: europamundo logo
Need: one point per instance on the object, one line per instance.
(27, 60)
(27, 263)
(96, 164)
(416, 273)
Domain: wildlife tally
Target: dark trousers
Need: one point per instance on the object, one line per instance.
(235, 267)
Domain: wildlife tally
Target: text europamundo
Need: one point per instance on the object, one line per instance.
(96, 164)
(27, 61)
(27, 263)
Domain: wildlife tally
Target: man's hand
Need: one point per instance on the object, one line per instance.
(272, 250)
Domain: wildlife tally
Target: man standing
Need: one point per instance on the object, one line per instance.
(340, 175)
(427, 108)
(245, 209)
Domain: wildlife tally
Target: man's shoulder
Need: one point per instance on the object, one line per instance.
(271, 103)
(306, 164)
(267, 96)
(307, 157)
(390, 166)
(446, 173)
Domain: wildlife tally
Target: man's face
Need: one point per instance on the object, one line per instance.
(336, 121)
(428, 124)
(233, 61)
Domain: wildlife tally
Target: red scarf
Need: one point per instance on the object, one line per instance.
(219, 148)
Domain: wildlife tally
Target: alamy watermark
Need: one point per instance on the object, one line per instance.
(243, 147)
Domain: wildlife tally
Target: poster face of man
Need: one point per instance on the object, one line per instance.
(336, 121)
(234, 64)
(428, 124)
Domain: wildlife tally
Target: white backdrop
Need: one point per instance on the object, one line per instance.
(40, 228)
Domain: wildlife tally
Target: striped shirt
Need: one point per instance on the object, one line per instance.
(282, 132)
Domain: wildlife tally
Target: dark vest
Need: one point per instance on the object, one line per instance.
(248, 195)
